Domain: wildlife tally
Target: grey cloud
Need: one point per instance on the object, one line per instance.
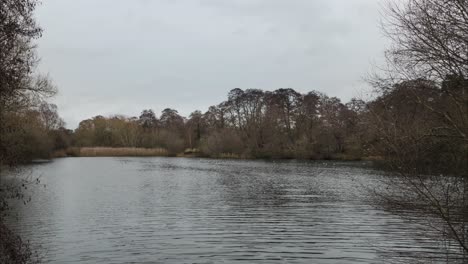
(120, 56)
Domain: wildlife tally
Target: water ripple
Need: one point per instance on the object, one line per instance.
(161, 210)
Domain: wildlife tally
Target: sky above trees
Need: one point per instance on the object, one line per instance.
(121, 56)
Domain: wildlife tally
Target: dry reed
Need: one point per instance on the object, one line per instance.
(121, 152)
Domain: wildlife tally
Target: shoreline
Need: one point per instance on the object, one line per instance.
(189, 153)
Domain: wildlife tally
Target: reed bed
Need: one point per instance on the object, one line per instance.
(121, 152)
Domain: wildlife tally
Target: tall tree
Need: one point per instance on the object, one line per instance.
(194, 128)
(286, 103)
(148, 119)
(19, 87)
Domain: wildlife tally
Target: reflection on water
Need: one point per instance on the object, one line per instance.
(171, 210)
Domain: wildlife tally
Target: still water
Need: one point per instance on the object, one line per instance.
(177, 210)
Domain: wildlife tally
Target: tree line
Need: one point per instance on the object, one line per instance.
(283, 123)
(251, 123)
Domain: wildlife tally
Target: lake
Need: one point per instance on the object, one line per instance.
(181, 210)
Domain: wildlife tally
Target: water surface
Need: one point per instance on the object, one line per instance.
(176, 210)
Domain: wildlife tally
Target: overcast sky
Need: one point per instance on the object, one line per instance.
(123, 56)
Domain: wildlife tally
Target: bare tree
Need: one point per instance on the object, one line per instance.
(420, 117)
(20, 88)
(430, 38)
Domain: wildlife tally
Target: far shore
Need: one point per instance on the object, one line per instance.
(188, 153)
